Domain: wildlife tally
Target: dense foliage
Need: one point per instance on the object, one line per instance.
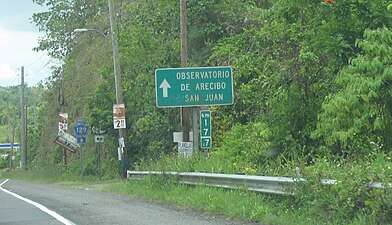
(10, 119)
(294, 63)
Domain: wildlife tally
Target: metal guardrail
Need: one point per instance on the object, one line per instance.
(262, 184)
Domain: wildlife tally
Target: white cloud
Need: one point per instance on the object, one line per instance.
(15, 52)
(18, 36)
(6, 73)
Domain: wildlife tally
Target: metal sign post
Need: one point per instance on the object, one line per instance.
(81, 131)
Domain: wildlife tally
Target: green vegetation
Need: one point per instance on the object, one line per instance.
(10, 119)
(240, 205)
(350, 202)
(312, 87)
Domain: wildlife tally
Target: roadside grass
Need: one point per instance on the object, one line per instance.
(234, 204)
(315, 204)
(54, 177)
(39, 176)
(239, 205)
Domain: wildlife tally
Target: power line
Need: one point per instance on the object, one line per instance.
(35, 61)
(43, 67)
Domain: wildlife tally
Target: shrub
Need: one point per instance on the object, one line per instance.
(352, 195)
(245, 147)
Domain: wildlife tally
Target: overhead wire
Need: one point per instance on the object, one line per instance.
(36, 60)
(29, 71)
(36, 73)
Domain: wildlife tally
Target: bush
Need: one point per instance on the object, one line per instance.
(245, 147)
(352, 196)
(4, 162)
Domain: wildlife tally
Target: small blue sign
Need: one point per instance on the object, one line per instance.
(81, 130)
(81, 140)
(80, 120)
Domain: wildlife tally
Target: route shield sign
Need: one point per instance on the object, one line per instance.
(81, 140)
(196, 86)
(81, 130)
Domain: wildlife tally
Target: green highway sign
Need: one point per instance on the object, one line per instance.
(205, 129)
(205, 123)
(195, 86)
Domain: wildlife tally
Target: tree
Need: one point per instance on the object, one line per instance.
(60, 21)
(285, 67)
(9, 112)
(359, 117)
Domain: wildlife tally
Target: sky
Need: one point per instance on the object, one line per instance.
(18, 36)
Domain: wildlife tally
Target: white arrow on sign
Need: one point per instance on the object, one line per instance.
(165, 85)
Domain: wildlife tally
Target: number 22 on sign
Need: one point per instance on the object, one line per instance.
(119, 124)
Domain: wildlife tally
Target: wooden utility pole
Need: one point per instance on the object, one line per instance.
(12, 144)
(185, 111)
(62, 103)
(117, 80)
(23, 128)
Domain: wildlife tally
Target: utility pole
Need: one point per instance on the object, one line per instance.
(117, 80)
(35, 119)
(23, 128)
(195, 128)
(185, 111)
(12, 144)
(62, 103)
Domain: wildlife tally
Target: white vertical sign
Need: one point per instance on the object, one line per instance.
(185, 149)
(119, 116)
(63, 122)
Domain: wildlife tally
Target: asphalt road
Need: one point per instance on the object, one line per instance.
(15, 211)
(79, 207)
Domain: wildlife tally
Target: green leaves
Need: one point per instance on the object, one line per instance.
(246, 146)
(359, 113)
(61, 20)
(301, 79)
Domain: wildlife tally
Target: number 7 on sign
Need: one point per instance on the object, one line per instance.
(206, 142)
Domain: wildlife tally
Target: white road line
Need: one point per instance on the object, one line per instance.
(4, 182)
(39, 206)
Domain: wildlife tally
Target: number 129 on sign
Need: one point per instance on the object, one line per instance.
(119, 124)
